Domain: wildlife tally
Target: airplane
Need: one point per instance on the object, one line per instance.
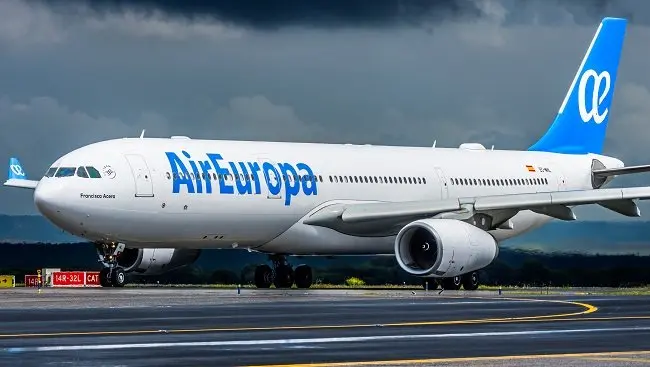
(152, 204)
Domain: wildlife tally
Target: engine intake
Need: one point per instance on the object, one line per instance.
(443, 248)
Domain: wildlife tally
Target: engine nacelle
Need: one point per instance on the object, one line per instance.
(153, 261)
(443, 248)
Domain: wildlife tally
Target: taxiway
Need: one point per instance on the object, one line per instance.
(172, 326)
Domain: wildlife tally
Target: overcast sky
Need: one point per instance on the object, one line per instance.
(364, 71)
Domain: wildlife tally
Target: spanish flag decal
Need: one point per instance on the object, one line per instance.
(530, 168)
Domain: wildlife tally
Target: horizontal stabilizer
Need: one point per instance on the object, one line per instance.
(25, 184)
(606, 172)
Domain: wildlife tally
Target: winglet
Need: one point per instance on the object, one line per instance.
(17, 176)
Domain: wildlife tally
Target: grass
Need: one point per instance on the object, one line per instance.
(632, 291)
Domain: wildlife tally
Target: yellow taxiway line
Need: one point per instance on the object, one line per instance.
(610, 356)
(586, 309)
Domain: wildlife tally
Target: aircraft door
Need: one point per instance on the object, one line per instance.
(141, 175)
(271, 177)
(442, 179)
(561, 182)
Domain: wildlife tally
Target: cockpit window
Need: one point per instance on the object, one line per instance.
(50, 172)
(93, 172)
(66, 172)
(81, 172)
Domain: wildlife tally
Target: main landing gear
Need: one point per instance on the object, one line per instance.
(111, 274)
(469, 281)
(282, 275)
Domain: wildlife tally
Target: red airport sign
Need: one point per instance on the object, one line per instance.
(68, 278)
(92, 279)
(31, 280)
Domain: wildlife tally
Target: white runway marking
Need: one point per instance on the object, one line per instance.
(308, 341)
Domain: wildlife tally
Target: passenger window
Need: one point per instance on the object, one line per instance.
(81, 172)
(66, 171)
(93, 172)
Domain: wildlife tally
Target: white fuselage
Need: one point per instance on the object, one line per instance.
(134, 201)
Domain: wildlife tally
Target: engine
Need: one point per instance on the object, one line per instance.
(443, 248)
(153, 261)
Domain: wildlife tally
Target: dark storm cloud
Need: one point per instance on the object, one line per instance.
(281, 13)
(274, 14)
(345, 71)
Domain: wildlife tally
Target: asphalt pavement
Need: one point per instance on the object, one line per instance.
(190, 327)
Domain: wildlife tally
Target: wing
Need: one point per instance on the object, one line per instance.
(387, 218)
(18, 177)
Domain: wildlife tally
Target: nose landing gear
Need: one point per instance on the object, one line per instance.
(111, 275)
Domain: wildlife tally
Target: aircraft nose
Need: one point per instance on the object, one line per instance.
(47, 198)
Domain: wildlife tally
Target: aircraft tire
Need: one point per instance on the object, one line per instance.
(263, 276)
(118, 277)
(283, 277)
(303, 276)
(471, 281)
(105, 277)
(452, 283)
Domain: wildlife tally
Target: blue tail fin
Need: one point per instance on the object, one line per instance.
(581, 122)
(16, 170)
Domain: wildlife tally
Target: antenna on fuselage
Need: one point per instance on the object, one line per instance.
(434, 143)
(142, 134)
(492, 147)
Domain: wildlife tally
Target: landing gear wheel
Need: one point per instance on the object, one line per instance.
(303, 276)
(105, 277)
(263, 276)
(118, 277)
(470, 281)
(111, 274)
(430, 284)
(283, 277)
(452, 283)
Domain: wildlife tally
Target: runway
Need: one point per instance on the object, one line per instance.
(168, 326)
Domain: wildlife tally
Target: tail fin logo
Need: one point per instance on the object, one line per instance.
(597, 97)
(17, 170)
